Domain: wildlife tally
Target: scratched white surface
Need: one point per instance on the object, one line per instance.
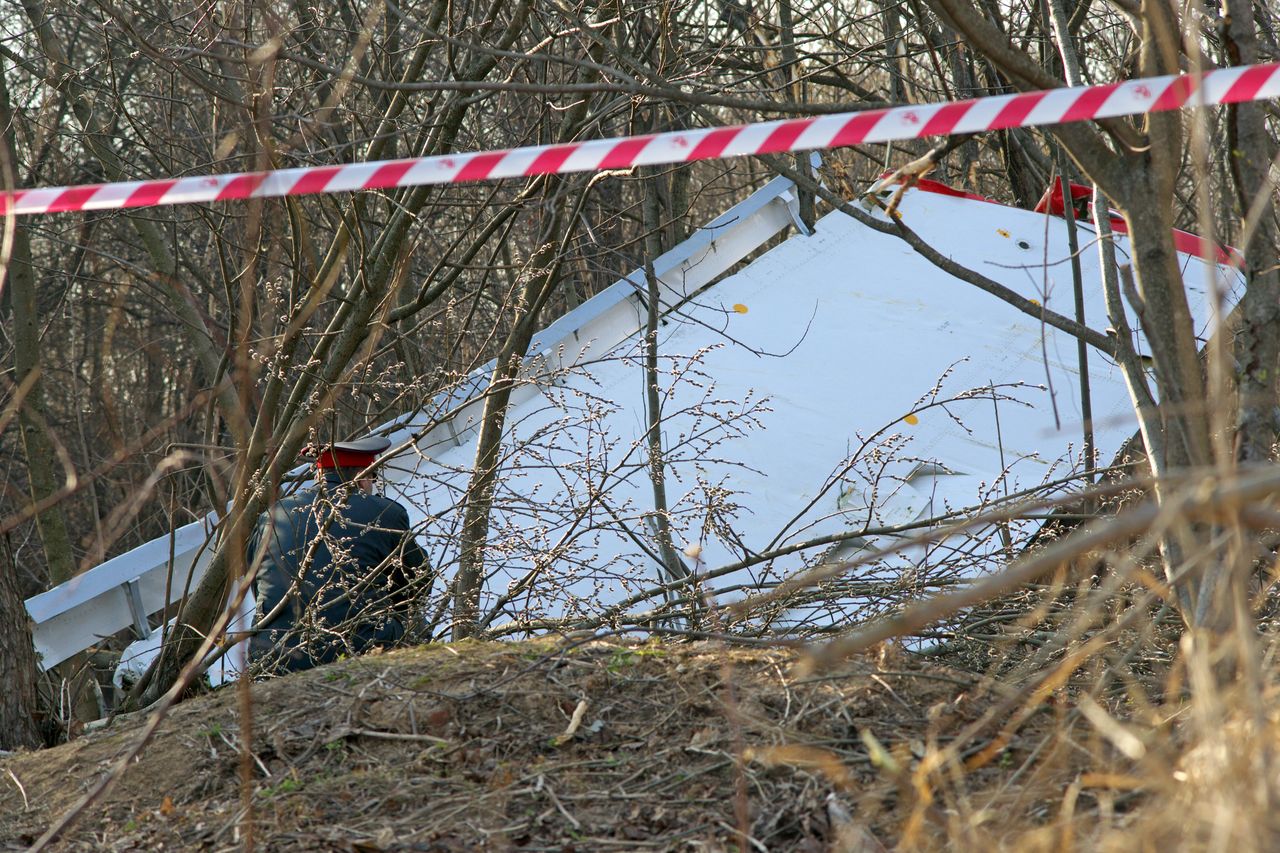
(773, 379)
(836, 337)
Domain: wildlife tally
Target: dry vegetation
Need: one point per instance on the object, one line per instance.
(465, 747)
(600, 744)
(157, 365)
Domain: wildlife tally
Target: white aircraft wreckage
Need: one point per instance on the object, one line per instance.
(816, 403)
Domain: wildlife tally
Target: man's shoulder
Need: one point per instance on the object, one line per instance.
(381, 507)
(289, 504)
(383, 501)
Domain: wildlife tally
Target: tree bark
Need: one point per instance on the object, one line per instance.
(32, 417)
(1251, 151)
(543, 272)
(19, 672)
(674, 568)
(1166, 321)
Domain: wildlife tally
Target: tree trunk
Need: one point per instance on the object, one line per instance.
(674, 568)
(1166, 321)
(542, 272)
(37, 444)
(36, 441)
(1251, 152)
(18, 670)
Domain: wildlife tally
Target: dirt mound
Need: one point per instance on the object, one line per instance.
(531, 746)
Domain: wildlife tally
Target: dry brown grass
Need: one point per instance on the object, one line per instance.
(1074, 714)
(463, 747)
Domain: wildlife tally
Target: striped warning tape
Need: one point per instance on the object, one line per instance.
(1028, 109)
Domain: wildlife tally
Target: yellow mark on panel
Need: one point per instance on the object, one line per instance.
(740, 308)
(1003, 233)
(912, 419)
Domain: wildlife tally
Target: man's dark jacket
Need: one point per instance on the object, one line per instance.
(332, 594)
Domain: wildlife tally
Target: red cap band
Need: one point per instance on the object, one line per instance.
(345, 459)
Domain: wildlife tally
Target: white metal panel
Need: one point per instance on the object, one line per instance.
(823, 343)
(95, 604)
(843, 334)
(73, 616)
(613, 315)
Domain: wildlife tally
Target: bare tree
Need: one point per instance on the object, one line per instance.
(18, 705)
(183, 356)
(1138, 166)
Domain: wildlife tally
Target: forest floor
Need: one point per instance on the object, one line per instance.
(558, 746)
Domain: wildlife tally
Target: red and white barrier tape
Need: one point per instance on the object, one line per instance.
(1055, 106)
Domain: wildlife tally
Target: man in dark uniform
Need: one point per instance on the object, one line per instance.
(337, 566)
